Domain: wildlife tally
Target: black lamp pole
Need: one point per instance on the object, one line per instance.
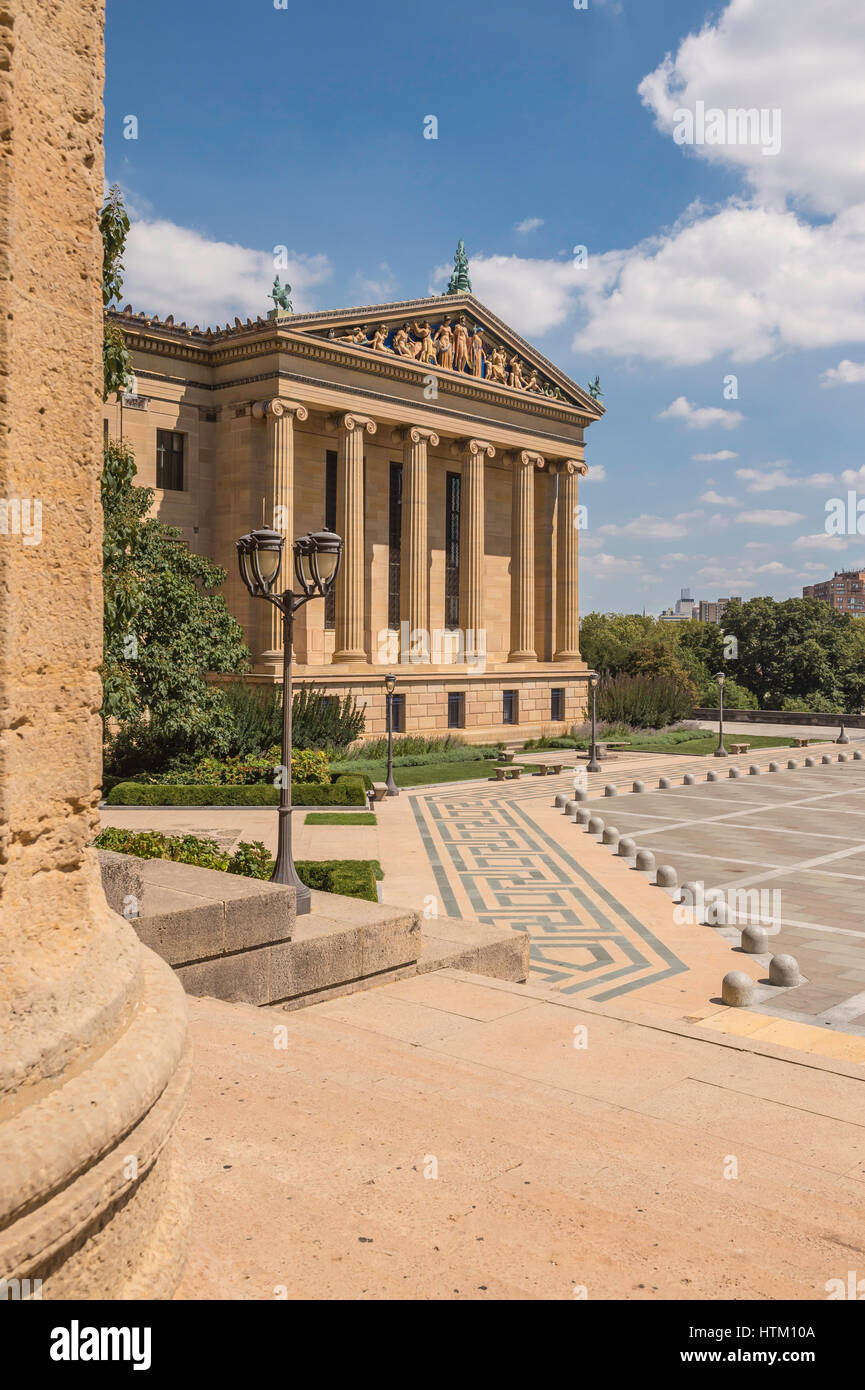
(593, 765)
(390, 686)
(317, 559)
(720, 751)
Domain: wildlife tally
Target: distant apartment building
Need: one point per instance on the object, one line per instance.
(714, 612)
(844, 591)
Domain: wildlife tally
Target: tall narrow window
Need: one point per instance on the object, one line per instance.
(557, 703)
(330, 524)
(456, 709)
(169, 460)
(452, 550)
(509, 707)
(394, 546)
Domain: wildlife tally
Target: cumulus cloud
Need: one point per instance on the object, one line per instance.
(716, 501)
(597, 474)
(819, 541)
(769, 518)
(533, 295)
(776, 475)
(650, 527)
(847, 373)
(701, 417)
(721, 457)
(177, 270)
(529, 224)
(851, 477)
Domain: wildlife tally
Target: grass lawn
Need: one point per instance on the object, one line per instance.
(705, 742)
(340, 818)
(427, 773)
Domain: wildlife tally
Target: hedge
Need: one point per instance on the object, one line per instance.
(345, 791)
(353, 878)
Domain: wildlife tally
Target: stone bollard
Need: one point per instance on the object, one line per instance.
(640, 787)
(792, 764)
(610, 790)
(627, 848)
(755, 940)
(581, 794)
(737, 988)
(711, 776)
(583, 815)
(717, 913)
(645, 861)
(773, 767)
(663, 783)
(571, 808)
(858, 755)
(734, 772)
(610, 836)
(842, 757)
(666, 877)
(595, 826)
(809, 762)
(688, 894)
(825, 758)
(561, 800)
(688, 780)
(753, 770)
(784, 970)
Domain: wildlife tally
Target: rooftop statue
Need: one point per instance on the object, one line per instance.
(279, 294)
(459, 282)
(595, 389)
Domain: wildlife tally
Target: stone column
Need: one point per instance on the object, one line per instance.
(280, 416)
(349, 517)
(93, 1062)
(567, 562)
(472, 617)
(524, 464)
(414, 559)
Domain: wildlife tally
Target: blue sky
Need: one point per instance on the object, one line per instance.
(304, 127)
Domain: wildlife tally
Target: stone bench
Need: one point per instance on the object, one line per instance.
(800, 742)
(379, 791)
(550, 768)
(509, 773)
(737, 748)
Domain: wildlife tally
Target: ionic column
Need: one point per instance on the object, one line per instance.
(280, 416)
(567, 562)
(523, 556)
(414, 575)
(349, 518)
(473, 452)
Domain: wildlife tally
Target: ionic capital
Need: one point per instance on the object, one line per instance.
(473, 447)
(353, 422)
(277, 409)
(571, 466)
(415, 434)
(525, 458)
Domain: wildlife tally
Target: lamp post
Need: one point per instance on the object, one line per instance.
(317, 559)
(720, 751)
(593, 765)
(390, 687)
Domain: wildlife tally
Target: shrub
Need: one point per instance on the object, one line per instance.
(647, 701)
(150, 844)
(251, 860)
(307, 765)
(345, 791)
(324, 721)
(811, 704)
(354, 878)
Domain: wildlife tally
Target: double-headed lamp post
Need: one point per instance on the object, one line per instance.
(317, 558)
(593, 765)
(390, 687)
(720, 751)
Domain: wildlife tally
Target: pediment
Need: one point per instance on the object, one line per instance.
(446, 335)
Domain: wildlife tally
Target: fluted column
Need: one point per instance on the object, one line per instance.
(280, 416)
(523, 464)
(414, 573)
(473, 453)
(567, 562)
(349, 518)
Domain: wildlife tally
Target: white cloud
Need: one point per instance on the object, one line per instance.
(650, 527)
(776, 475)
(820, 541)
(176, 270)
(597, 474)
(721, 457)
(773, 567)
(606, 565)
(377, 289)
(530, 224)
(803, 58)
(847, 373)
(532, 295)
(854, 477)
(701, 417)
(716, 501)
(769, 518)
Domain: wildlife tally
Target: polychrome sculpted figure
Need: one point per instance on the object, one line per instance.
(356, 336)
(515, 375)
(444, 341)
(496, 365)
(533, 383)
(461, 344)
(404, 345)
(378, 339)
(477, 351)
(426, 350)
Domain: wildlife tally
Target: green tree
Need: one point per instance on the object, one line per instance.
(606, 639)
(114, 226)
(166, 628)
(798, 648)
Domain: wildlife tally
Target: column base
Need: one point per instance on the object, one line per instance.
(567, 656)
(339, 657)
(523, 656)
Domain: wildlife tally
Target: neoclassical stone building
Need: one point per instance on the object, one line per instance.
(441, 446)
